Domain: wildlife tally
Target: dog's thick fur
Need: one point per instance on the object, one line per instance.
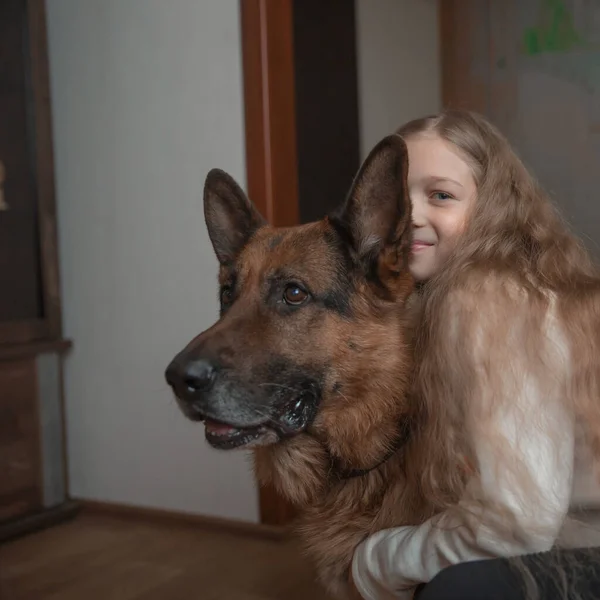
(322, 384)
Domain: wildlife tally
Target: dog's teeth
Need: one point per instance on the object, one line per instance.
(219, 429)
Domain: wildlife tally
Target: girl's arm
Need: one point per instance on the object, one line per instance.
(523, 441)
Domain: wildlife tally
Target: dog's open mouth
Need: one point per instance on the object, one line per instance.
(291, 420)
(228, 437)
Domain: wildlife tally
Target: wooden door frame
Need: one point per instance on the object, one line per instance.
(269, 107)
(270, 140)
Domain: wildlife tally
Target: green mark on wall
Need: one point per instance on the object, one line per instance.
(555, 31)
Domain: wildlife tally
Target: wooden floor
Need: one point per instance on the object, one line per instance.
(99, 557)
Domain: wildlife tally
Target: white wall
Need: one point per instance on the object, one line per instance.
(147, 97)
(398, 64)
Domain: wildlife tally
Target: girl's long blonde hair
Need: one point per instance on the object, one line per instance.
(515, 235)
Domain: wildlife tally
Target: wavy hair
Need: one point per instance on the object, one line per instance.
(516, 259)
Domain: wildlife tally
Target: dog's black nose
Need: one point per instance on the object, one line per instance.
(192, 377)
(198, 376)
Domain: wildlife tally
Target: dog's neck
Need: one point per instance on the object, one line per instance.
(340, 471)
(304, 468)
(358, 441)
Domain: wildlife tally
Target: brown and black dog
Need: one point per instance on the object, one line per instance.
(310, 362)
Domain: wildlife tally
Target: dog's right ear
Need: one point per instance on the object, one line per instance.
(375, 219)
(230, 217)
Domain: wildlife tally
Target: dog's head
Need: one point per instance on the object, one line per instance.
(311, 316)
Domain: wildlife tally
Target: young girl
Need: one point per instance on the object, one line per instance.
(509, 370)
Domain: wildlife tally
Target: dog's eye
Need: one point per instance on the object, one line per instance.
(294, 295)
(226, 295)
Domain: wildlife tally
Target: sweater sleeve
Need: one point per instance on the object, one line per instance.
(516, 504)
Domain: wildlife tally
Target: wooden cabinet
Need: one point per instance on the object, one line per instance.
(32, 466)
(20, 450)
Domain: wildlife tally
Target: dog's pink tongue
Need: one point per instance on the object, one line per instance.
(215, 428)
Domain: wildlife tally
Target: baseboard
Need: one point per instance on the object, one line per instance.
(38, 521)
(182, 518)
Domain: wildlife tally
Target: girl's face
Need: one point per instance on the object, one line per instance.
(442, 191)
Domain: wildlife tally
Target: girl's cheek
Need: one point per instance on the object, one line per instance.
(454, 227)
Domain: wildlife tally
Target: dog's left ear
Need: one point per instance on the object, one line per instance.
(376, 217)
(230, 217)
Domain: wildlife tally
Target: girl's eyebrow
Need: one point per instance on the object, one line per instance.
(444, 179)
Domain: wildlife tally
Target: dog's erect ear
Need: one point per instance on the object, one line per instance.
(230, 217)
(376, 216)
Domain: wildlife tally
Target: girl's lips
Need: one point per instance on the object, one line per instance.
(418, 245)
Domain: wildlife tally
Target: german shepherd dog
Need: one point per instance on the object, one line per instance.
(310, 362)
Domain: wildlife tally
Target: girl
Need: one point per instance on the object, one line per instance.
(509, 371)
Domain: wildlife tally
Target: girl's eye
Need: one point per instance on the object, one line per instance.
(441, 196)
(294, 295)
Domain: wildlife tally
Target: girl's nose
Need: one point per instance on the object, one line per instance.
(418, 213)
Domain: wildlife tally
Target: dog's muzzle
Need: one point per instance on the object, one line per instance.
(239, 414)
